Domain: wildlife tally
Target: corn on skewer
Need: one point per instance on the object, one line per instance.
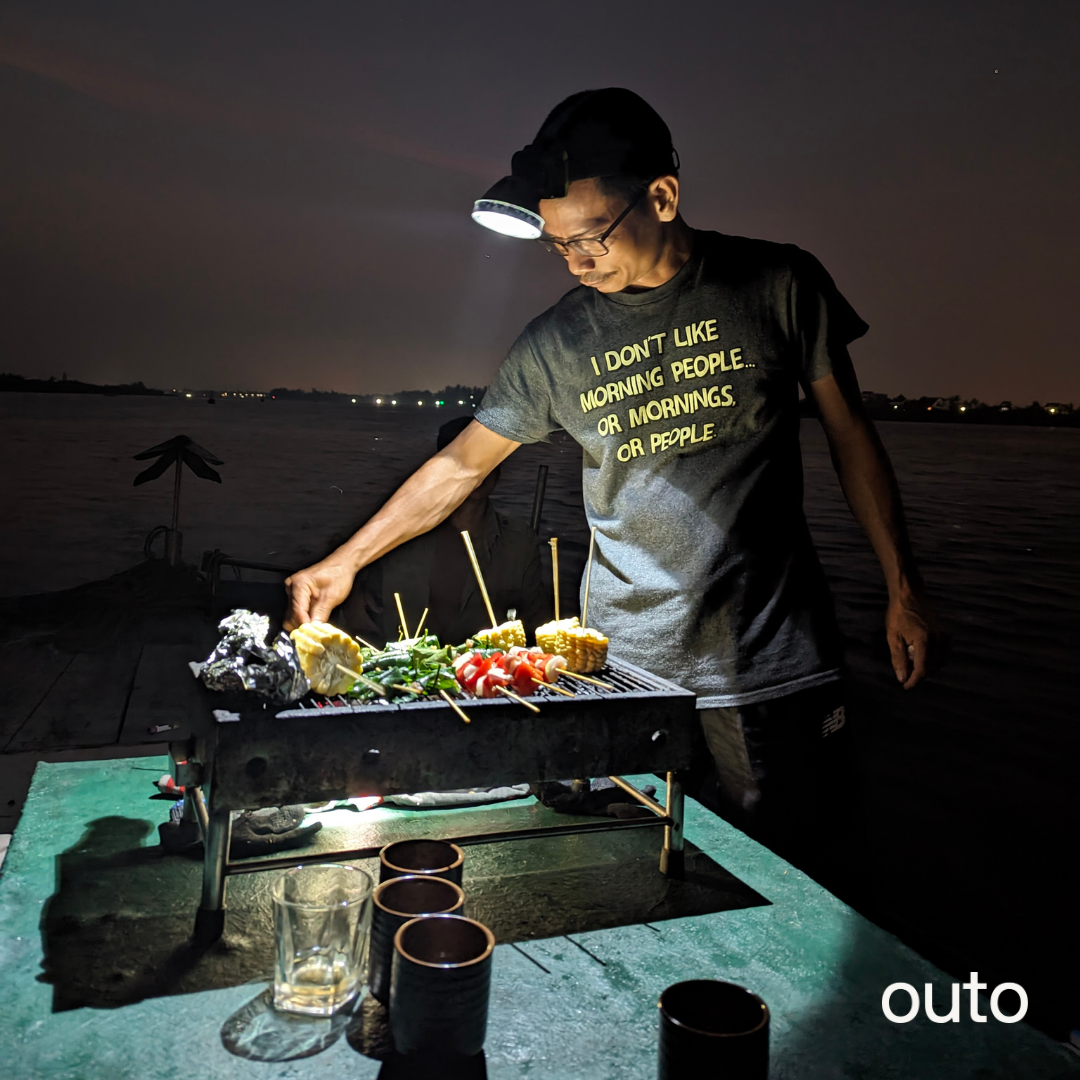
(554, 542)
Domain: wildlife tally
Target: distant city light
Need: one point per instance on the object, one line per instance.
(419, 403)
(378, 401)
(1053, 410)
(461, 402)
(187, 395)
(354, 401)
(963, 408)
(394, 402)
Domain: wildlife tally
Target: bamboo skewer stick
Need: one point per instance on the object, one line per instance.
(588, 578)
(401, 616)
(421, 622)
(408, 689)
(552, 686)
(366, 644)
(455, 706)
(585, 678)
(554, 542)
(514, 697)
(479, 577)
(371, 684)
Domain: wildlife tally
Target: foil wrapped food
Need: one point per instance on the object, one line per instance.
(243, 660)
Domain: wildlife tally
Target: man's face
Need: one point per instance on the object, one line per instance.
(634, 248)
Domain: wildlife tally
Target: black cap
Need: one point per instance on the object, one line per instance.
(609, 132)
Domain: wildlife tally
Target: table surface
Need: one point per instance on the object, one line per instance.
(560, 1008)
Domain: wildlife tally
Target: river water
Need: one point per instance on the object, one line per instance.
(969, 779)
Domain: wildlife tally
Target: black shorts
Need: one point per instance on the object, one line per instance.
(784, 772)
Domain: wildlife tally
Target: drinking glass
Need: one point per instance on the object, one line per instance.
(322, 914)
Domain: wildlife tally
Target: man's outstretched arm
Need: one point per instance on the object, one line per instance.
(869, 485)
(428, 497)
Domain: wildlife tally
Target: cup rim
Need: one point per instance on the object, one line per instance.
(276, 890)
(384, 886)
(715, 1034)
(488, 948)
(407, 870)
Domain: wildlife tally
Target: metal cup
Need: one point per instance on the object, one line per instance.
(435, 858)
(321, 918)
(712, 1030)
(395, 902)
(439, 986)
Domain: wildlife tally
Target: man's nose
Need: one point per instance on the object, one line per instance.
(580, 264)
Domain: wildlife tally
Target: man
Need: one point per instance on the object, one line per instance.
(433, 571)
(676, 364)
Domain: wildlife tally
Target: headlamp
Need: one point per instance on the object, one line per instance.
(511, 207)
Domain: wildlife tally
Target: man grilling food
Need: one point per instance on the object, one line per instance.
(676, 362)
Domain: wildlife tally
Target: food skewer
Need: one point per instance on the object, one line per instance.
(401, 616)
(514, 697)
(366, 644)
(371, 684)
(454, 705)
(586, 678)
(479, 576)
(552, 686)
(588, 578)
(421, 622)
(408, 689)
(554, 542)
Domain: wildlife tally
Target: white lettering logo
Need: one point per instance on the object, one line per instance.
(833, 722)
(953, 1015)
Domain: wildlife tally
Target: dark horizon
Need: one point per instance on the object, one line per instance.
(254, 196)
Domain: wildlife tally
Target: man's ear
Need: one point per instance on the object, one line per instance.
(664, 197)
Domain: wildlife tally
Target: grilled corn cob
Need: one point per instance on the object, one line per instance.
(505, 635)
(585, 649)
(320, 648)
(547, 636)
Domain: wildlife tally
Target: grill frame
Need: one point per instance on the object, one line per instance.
(323, 749)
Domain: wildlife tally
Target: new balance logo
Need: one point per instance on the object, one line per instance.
(833, 722)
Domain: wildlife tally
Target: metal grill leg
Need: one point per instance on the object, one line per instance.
(671, 857)
(210, 920)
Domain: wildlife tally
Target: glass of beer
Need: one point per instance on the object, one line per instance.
(322, 914)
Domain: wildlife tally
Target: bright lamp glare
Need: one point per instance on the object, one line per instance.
(510, 220)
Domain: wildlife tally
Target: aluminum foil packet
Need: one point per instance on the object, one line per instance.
(243, 660)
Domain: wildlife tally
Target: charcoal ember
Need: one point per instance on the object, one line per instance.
(243, 660)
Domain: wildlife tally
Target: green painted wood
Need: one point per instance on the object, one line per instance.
(563, 1009)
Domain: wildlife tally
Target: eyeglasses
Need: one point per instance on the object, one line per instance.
(593, 246)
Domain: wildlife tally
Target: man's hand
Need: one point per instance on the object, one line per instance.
(316, 591)
(915, 641)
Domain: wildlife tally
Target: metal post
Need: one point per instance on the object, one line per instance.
(671, 857)
(538, 497)
(210, 920)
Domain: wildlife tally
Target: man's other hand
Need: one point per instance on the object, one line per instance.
(916, 643)
(316, 591)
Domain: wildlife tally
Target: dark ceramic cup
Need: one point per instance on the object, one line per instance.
(712, 1030)
(435, 858)
(396, 901)
(439, 987)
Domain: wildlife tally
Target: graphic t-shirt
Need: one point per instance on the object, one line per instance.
(684, 399)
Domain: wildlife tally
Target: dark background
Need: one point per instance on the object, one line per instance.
(257, 194)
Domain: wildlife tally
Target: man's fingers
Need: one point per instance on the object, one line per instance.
(299, 597)
(898, 649)
(918, 652)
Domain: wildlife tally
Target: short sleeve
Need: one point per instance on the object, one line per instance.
(517, 404)
(822, 320)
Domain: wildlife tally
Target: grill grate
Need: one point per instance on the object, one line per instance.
(626, 678)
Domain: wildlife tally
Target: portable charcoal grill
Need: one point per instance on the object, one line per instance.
(250, 754)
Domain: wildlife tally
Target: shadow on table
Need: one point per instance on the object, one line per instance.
(118, 928)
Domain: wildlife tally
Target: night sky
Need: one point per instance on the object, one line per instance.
(249, 194)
